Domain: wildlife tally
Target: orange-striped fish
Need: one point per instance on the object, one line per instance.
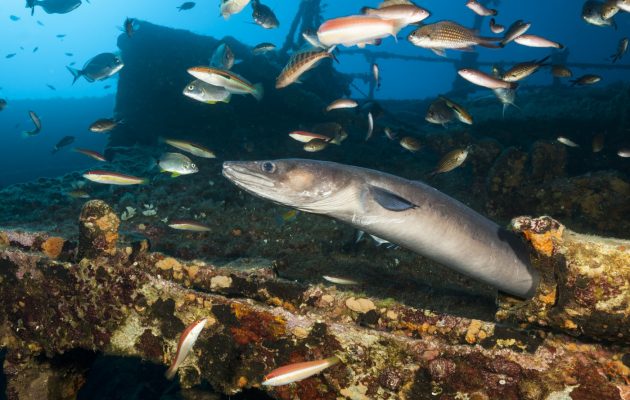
(359, 30)
(305, 137)
(112, 178)
(188, 225)
(342, 103)
(299, 63)
(537, 41)
(91, 153)
(184, 346)
(299, 371)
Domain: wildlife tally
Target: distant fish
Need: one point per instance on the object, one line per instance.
(69, 54)
(40, 23)
(560, 71)
(14, 18)
(3, 104)
(370, 126)
(66, 140)
(35, 49)
(515, 30)
(113, 178)
(206, 93)
(450, 161)
(10, 55)
(622, 49)
(53, 6)
(598, 143)
(107, 86)
(480, 9)
(299, 63)
(537, 41)
(482, 79)
(98, 68)
(37, 122)
(263, 48)
(377, 75)
(104, 125)
(339, 280)
(186, 6)
(588, 79)
(389, 133)
(177, 164)
(356, 30)
(439, 112)
(91, 153)
(222, 57)
(507, 97)
(449, 35)
(192, 148)
(566, 141)
(78, 194)
(184, 346)
(297, 372)
(51, 87)
(188, 225)
(411, 144)
(624, 153)
(231, 7)
(228, 80)
(305, 137)
(128, 26)
(523, 70)
(315, 145)
(402, 11)
(264, 15)
(61, 35)
(592, 14)
(460, 112)
(341, 103)
(496, 28)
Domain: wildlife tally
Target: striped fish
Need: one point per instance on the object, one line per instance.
(296, 372)
(450, 161)
(523, 70)
(449, 35)
(184, 346)
(300, 63)
(112, 178)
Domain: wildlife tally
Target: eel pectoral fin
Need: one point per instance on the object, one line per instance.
(390, 201)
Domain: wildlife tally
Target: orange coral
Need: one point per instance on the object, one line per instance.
(52, 246)
(543, 242)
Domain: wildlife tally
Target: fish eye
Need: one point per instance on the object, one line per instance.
(191, 87)
(193, 166)
(268, 167)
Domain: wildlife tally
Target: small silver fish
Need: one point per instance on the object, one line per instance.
(206, 93)
(566, 141)
(177, 164)
(370, 127)
(622, 49)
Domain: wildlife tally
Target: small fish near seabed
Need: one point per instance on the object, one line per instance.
(192, 148)
(623, 153)
(231, 7)
(315, 145)
(185, 344)
(113, 178)
(622, 49)
(228, 80)
(410, 143)
(65, 141)
(337, 280)
(263, 48)
(104, 125)
(566, 141)
(98, 68)
(177, 164)
(206, 93)
(560, 71)
(439, 113)
(37, 122)
(341, 104)
(222, 57)
(460, 112)
(444, 35)
(91, 153)
(296, 372)
(480, 9)
(450, 161)
(299, 63)
(188, 225)
(356, 30)
(188, 5)
(264, 16)
(584, 80)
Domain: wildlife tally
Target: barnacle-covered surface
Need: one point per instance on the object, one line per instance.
(136, 303)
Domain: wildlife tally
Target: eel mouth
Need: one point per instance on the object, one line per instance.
(248, 176)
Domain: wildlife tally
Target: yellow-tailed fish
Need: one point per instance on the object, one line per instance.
(177, 164)
(460, 112)
(91, 153)
(450, 161)
(315, 145)
(188, 225)
(112, 178)
(184, 346)
(190, 147)
(299, 63)
(228, 80)
(298, 371)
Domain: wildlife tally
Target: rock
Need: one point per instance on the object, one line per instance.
(98, 230)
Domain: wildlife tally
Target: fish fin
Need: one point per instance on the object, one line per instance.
(210, 102)
(175, 175)
(76, 74)
(259, 91)
(490, 43)
(390, 201)
(439, 52)
(170, 372)
(466, 49)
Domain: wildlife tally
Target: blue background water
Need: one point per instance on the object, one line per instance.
(93, 28)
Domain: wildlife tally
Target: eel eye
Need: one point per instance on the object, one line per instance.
(191, 87)
(268, 167)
